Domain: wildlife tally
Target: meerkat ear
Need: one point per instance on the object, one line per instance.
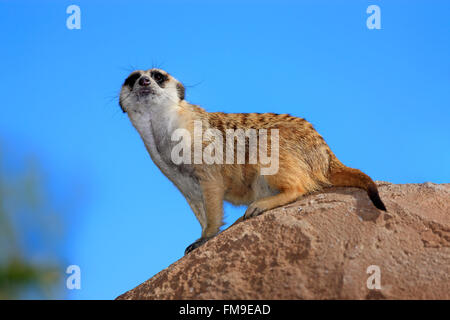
(121, 105)
(180, 90)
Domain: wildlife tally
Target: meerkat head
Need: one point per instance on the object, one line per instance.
(145, 89)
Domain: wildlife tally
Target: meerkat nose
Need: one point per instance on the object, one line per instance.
(144, 81)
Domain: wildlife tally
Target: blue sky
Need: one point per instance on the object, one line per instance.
(380, 98)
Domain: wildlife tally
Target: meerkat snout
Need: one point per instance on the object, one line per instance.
(144, 81)
(145, 86)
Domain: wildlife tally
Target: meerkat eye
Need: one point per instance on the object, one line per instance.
(159, 77)
(131, 79)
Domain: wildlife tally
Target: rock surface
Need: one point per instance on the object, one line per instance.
(320, 248)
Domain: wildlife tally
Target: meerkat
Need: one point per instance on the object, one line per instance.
(155, 104)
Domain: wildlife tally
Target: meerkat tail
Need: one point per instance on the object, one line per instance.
(343, 176)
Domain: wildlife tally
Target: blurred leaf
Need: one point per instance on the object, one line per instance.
(30, 230)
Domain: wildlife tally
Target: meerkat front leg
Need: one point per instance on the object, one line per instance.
(198, 207)
(213, 205)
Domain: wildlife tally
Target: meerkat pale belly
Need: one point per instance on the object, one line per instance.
(155, 104)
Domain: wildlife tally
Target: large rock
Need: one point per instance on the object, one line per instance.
(320, 248)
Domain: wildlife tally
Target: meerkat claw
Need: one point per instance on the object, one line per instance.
(253, 212)
(195, 245)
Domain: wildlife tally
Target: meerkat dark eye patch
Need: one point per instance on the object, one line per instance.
(131, 80)
(159, 77)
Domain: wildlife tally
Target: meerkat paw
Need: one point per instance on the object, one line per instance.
(253, 211)
(195, 245)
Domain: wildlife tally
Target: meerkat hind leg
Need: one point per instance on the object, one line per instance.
(261, 205)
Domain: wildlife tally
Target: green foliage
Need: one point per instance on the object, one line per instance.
(18, 276)
(30, 265)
